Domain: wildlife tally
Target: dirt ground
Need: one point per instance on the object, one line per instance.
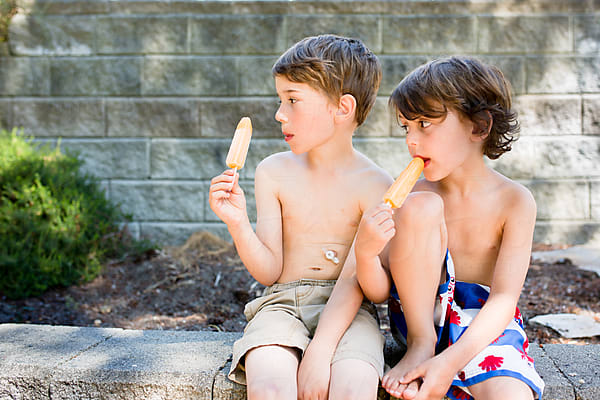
(203, 285)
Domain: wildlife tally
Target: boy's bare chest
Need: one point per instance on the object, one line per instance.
(474, 238)
(323, 210)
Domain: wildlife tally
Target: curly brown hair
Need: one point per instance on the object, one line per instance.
(476, 90)
(334, 65)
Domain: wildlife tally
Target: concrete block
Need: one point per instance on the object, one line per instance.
(595, 196)
(237, 34)
(587, 33)
(563, 74)
(152, 118)
(572, 232)
(549, 115)
(206, 76)
(96, 76)
(364, 27)
(568, 200)
(24, 76)
(146, 364)
(591, 115)
(48, 346)
(181, 201)
(60, 117)
(426, 35)
(551, 158)
(142, 35)
(6, 114)
(557, 386)
(513, 68)
(395, 68)
(255, 77)
(224, 389)
(525, 34)
(175, 234)
(378, 122)
(205, 158)
(187, 158)
(29, 353)
(219, 117)
(390, 154)
(112, 158)
(574, 361)
(36, 35)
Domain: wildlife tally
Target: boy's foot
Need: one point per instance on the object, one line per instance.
(415, 355)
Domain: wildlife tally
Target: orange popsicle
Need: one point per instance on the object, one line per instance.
(400, 189)
(239, 145)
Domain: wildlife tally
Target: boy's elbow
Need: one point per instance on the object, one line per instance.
(376, 296)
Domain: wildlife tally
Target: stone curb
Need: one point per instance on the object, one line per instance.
(60, 362)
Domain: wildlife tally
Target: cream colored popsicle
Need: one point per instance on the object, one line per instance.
(400, 189)
(239, 145)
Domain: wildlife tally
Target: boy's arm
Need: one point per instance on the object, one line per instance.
(374, 232)
(493, 318)
(261, 252)
(341, 308)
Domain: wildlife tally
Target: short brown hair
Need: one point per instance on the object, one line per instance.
(334, 65)
(476, 90)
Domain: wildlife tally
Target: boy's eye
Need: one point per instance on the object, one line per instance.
(292, 100)
(424, 124)
(404, 128)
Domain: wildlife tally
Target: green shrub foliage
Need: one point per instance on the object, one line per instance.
(56, 225)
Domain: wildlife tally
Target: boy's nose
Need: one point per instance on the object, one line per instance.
(279, 116)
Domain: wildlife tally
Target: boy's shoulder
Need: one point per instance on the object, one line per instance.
(514, 194)
(276, 161)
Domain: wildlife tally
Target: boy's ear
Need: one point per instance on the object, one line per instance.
(482, 124)
(346, 108)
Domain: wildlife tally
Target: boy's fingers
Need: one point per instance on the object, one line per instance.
(412, 375)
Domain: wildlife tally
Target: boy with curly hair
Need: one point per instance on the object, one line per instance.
(310, 336)
(461, 242)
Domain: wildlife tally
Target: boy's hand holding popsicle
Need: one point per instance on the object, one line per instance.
(226, 197)
(377, 225)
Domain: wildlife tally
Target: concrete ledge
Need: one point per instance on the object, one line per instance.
(60, 362)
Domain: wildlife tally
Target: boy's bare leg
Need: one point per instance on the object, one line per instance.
(417, 255)
(353, 379)
(271, 373)
(502, 387)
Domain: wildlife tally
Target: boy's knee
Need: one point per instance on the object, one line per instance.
(352, 391)
(269, 390)
(421, 208)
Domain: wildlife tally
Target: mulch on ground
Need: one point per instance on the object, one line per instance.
(203, 285)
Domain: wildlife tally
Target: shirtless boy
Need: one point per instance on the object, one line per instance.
(463, 239)
(305, 339)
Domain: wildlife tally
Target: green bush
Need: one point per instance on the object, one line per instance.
(56, 225)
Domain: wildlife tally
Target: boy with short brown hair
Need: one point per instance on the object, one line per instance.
(310, 336)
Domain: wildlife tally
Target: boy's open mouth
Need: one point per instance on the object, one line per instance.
(288, 137)
(426, 161)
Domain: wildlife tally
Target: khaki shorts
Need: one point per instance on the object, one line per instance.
(287, 315)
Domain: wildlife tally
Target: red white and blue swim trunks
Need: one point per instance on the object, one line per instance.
(458, 303)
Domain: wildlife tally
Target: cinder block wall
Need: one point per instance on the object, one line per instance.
(149, 92)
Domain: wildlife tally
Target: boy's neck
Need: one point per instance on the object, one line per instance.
(470, 178)
(332, 155)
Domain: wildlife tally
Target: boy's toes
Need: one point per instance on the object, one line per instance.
(411, 390)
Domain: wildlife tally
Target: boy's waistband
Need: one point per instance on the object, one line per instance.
(278, 287)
